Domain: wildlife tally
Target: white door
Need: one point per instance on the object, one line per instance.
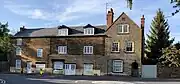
(18, 64)
(29, 67)
(88, 69)
(70, 69)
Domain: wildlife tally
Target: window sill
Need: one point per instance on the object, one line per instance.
(62, 53)
(115, 51)
(122, 33)
(117, 71)
(88, 54)
(129, 52)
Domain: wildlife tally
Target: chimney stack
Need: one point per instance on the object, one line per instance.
(110, 16)
(142, 21)
(22, 28)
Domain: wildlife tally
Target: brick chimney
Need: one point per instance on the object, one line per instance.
(110, 16)
(22, 28)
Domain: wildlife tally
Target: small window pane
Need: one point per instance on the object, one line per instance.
(125, 28)
(120, 28)
(62, 49)
(115, 46)
(18, 51)
(129, 46)
(39, 52)
(63, 32)
(88, 49)
(19, 41)
(117, 66)
(89, 31)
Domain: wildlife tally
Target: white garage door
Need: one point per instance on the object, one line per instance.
(58, 65)
(88, 69)
(70, 69)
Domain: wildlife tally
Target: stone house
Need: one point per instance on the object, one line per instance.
(80, 50)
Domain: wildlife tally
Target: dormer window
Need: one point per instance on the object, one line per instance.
(89, 30)
(63, 30)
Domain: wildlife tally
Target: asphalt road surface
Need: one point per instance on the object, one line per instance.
(24, 79)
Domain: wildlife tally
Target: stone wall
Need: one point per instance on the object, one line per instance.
(168, 72)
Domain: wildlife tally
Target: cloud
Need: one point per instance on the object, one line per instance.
(75, 10)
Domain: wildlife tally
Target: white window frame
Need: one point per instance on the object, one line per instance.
(122, 31)
(62, 49)
(88, 31)
(112, 46)
(62, 32)
(18, 50)
(19, 41)
(88, 50)
(40, 50)
(18, 64)
(118, 66)
(128, 43)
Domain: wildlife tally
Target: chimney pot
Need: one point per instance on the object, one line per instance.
(22, 28)
(142, 21)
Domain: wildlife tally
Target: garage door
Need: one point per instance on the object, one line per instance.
(70, 69)
(88, 69)
(58, 65)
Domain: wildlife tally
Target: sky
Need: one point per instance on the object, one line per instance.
(51, 13)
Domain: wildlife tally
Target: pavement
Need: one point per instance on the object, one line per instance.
(57, 79)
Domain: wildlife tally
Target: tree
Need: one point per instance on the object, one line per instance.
(5, 41)
(177, 45)
(159, 37)
(176, 6)
(171, 57)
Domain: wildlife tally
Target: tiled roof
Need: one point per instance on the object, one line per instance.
(73, 31)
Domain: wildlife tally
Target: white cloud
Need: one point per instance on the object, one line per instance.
(75, 10)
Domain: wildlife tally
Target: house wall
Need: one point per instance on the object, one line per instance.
(75, 54)
(134, 35)
(29, 50)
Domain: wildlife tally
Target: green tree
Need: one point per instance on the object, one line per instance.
(5, 41)
(177, 45)
(158, 38)
(171, 57)
(176, 6)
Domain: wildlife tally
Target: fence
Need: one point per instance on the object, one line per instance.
(4, 66)
(149, 71)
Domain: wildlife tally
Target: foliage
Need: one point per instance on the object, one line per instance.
(5, 41)
(171, 57)
(176, 6)
(159, 37)
(177, 45)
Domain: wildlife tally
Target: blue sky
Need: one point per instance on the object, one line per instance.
(50, 13)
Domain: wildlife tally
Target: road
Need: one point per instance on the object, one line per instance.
(24, 79)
